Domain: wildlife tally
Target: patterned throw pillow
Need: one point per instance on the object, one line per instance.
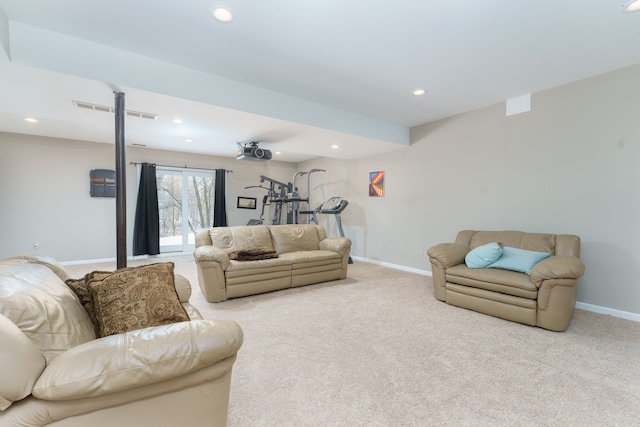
(79, 287)
(135, 298)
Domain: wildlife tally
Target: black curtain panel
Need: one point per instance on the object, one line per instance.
(220, 204)
(146, 230)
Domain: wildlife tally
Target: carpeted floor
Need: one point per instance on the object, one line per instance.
(377, 349)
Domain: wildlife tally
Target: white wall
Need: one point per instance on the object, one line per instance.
(571, 165)
(44, 188)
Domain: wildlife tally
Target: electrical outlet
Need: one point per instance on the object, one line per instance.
(36, 245)
(421, 251)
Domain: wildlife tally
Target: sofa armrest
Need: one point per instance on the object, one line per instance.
(443, 256)
(341, 245)
(211, 263)
(183, 287)
(557, 267)
(211, 253)
(137, 358)
(447, 254)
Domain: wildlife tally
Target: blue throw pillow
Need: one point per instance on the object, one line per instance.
(484, 255)
(518, 259)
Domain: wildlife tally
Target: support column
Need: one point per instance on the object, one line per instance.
(121, 184)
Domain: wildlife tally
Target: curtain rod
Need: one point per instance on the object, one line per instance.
(180, 167)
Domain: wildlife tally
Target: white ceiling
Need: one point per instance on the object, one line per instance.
(298, 75)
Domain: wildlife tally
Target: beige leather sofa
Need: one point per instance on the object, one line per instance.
(305, 256)
(54, 372)
(545, 298)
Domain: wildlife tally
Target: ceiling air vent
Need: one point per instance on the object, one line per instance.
(142, 115)
(107, 109)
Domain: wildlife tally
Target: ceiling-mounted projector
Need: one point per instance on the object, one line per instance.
(251, 151)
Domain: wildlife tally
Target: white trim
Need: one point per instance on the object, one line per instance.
(88, 261)
(610, 311)
(129, 258)
(394, 266)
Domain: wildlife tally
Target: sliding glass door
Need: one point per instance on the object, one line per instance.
(185, 204)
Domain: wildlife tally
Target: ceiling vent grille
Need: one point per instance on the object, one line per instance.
(107, 109)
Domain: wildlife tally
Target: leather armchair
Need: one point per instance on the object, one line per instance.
(55, 372)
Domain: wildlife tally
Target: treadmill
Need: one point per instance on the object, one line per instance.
(334, 206)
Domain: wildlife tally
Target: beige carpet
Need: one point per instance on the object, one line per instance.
(377, 349)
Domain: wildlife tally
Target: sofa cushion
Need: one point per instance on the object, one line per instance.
(521, 260)
(483, 255)
(136, 298)
(21, 363)
(241, 238)
(239, 268)
(493, 279)
(540, 242)
(301, 258)
(35, 299)
(294, 237)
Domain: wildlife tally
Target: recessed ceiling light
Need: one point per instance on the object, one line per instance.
(222, 14)
(188, 140)
(278, 152)
(419, 92)
(632, 6)
(334, 146)
(179, 121)
(31, 120)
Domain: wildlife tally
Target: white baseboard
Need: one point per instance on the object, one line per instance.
(129, 258)
(610, 311)
(581, 305)
(394, 266)
(88, 261)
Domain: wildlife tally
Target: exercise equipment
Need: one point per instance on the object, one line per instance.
(265, 203)
(295, 199)
(282, 194)
(333, 206)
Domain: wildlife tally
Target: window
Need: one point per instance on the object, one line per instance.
(185, 204)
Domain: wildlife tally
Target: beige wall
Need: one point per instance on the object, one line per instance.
(44, 188)
(571, 165)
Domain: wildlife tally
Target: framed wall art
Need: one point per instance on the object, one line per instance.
(376, 184)
(246, 202)
(102, 183)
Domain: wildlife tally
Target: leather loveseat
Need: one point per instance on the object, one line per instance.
(305, 255)
(53, 370)
(545, 297)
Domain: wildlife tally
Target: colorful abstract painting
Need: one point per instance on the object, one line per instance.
(376, 184)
